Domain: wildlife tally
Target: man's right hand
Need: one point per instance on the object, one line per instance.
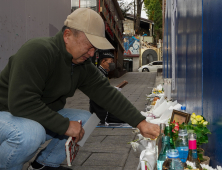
(75, 130)
(148, 130)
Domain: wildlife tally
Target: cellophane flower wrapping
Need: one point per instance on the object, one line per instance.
(149, 156)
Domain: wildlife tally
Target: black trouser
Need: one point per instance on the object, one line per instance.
(102, 114)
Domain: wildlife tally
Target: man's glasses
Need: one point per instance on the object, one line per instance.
(96, 49)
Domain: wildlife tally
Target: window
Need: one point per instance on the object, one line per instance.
(84, 4)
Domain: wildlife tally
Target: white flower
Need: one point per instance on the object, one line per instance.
(135, 145)
(140, 136)
(191, 164)
(146, 138)
(136, 130)
(219, 168)
(206, 167)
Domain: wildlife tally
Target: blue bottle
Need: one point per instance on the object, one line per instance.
(172, 162)
(182, 145)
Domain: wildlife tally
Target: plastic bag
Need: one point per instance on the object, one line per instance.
(148, 157)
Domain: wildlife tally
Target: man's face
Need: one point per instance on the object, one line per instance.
(105, 63)
(78, 46)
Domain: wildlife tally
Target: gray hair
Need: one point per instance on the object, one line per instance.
(74, 31)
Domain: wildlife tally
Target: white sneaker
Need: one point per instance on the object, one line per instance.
(31, 168)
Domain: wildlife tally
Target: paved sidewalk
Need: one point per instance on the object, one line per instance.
(107, 148)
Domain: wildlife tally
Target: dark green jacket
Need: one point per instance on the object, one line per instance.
(40, 76)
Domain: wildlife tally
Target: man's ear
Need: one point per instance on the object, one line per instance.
(67, 33)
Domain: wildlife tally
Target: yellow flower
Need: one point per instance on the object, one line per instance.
(199, 118)
(160, 91)
(194, 122)
(193, 115)
(205, 123)
(192, 119)
(201, 121)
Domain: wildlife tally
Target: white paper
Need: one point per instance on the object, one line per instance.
(89, 126)
(177, 107)
(149, 118)
(144, 113)
(159, 102)
(159, 111)
(166, 114)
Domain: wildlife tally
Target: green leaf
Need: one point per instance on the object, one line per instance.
(189, 167)
(206, 131)
(199, 134)
(200, 156)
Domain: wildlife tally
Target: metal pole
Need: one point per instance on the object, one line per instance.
(134, 15)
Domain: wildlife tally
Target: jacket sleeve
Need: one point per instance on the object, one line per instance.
(98, 88)
(28, 72)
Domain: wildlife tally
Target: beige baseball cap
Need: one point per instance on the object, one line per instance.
(92, 24)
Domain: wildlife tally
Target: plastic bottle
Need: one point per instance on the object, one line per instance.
(182, 145)
(183, 108)
(159, 139)
(173, 161)
(168, 132)
(192, 154)
(163, 153)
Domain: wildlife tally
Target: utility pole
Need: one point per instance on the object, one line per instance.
(163, 16)
(134, 20)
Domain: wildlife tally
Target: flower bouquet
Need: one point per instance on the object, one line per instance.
(157, 91)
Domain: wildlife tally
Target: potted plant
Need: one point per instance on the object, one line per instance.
(198, 125)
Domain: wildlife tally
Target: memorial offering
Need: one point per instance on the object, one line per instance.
(71, 148)
(182, 132)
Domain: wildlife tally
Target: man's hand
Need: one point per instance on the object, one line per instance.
(75, 130)
(148, 130)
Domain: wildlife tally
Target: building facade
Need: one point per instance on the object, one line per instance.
(139, 49)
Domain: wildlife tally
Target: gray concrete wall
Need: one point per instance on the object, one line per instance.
(135, 64)
(24, 19)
